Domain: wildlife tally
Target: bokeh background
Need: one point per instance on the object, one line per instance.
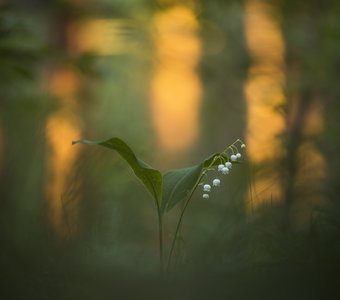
(177, 80)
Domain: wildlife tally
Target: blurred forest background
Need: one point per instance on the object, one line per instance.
(178, 80)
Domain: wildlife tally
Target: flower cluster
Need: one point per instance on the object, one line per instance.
(226, 164)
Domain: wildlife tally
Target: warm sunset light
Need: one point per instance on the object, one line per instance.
(312, 165)
(101, 36)
(62, 127)
(175, 84)
(264, 94)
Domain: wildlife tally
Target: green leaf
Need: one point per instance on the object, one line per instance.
(151, 178)
(177, 184)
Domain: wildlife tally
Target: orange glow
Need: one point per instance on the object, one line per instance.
(314, 122)
(61, 128)
(264, 191)
(102, 36)
(264, 92)
(309, 182)
(312, 165)
(64, 84)
(175, 85)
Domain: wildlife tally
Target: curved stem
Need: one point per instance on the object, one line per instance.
(183, 211)
(181, 219)
(234, 147)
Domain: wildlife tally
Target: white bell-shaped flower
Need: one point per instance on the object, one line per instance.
(238, 155)
(228, 164)
(233, 157)
(220, 167)
(225, 170)
(216, 182)
(206, 188)
(206, 196)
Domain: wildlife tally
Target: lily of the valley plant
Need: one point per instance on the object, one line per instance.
(177, 185)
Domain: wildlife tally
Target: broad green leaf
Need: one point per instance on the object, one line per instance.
(151, 178)
(177, 184)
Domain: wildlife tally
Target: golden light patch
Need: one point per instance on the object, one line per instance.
(175, 86)
(264, 95)
(101, 36)
(62, 127)
(60, 131)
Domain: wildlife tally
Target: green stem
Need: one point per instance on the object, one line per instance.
(188, 201)
(181, 219)
(160, 232)
(183, 211)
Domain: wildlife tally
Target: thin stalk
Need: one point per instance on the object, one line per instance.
(181, 219)
(160, 238)
(189, 198)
